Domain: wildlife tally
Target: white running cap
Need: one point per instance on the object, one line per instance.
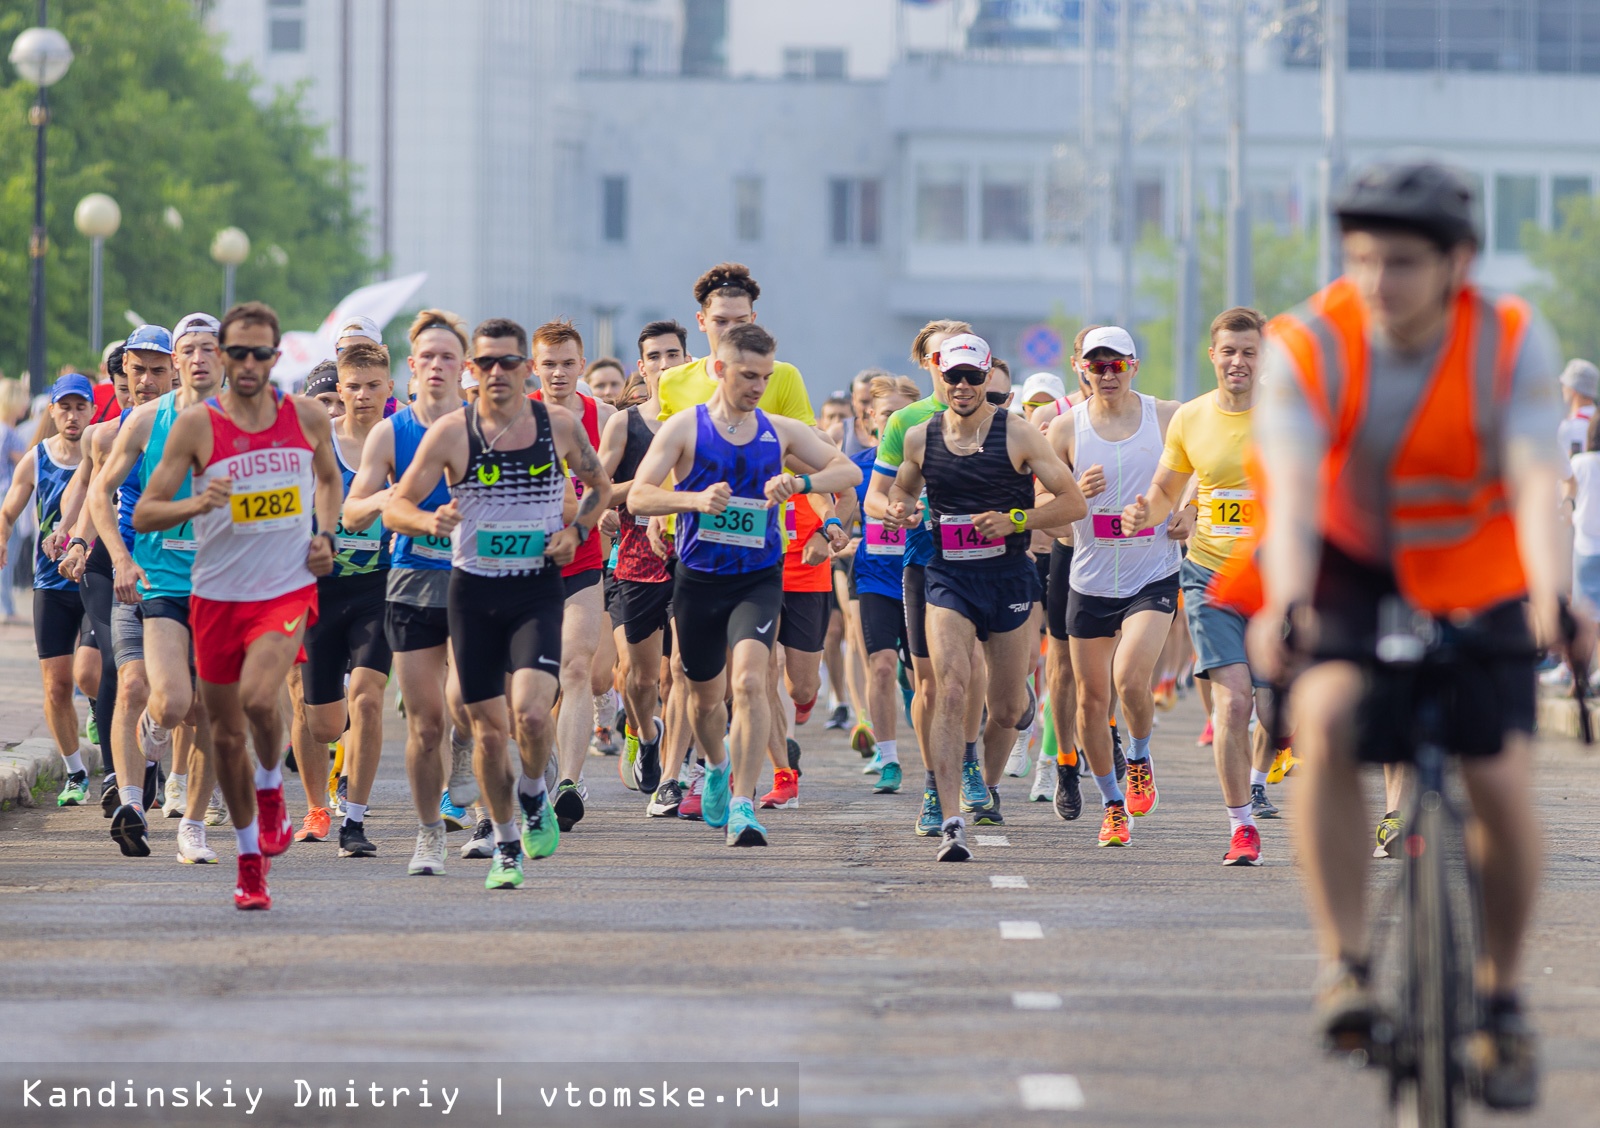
(1110, 337)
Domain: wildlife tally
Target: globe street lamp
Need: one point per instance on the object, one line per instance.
(230, 247)
(41, 55)
(97, 216)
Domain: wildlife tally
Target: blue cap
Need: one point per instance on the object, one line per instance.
(150, 338)
(72, 384)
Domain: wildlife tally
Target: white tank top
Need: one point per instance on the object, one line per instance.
(1104, 561)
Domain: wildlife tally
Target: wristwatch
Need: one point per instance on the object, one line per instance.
(77, 542)
(832, 521)
(1019, 519)
(583, 531)
(333, 541)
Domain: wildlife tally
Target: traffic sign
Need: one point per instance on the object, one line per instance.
(1041, 346)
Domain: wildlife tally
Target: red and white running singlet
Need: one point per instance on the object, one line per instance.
(254, 548)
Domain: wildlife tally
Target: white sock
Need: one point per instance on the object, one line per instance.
(132, 795)
(531, 786)
(1240, 816)
(246, 836)
(354, 812)
(722, 767)
(182, 779)
(75, 763)
(432, 826)
(506, 832)
(1257, 777)
(195, 823)
(150, 764)
(741, 801)
(267, 779)
(887, 752)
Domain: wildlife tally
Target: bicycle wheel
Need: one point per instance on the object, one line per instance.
(1426, 1095)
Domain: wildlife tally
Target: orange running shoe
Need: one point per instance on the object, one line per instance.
(1114, 829)
(1166, 694)
(1142, 797)
(1207, 735)
(276, 828)
(785, 793)
(251, 892)
(802, 710)
(1283, 763)
(315, 826)
(1245, 849)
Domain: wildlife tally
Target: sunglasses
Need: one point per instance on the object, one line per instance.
(487, 364)
(260, 352)
(1108, 367)
(965, 375)
(999, 399)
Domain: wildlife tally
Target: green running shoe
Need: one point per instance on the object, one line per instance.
(540, 833)
(91, 731)
(714, 800)
(75, 791)
(974, 792)
(931, 821)
(888, 779)
(505, 872)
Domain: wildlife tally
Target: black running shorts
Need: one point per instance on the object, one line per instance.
(347, 635)
(641, 608)
(57, 619)
(883, 624)
(712, 613)
(995, 600)
(500, 624)
(915, 586)
(1095, 616)
(804, 624)
(411, 628)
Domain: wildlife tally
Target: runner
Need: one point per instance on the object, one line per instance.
(1206, 440)
(500, 457)
(57, 604)
(606, 378)
(259, 461)
(416, 623)
(981, 585)
(323, 386)
(727, 458)
(1119, 582)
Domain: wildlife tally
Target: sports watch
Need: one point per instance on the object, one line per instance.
(1019, 519)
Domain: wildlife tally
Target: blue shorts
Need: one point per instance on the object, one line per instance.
(1586, 580)
(995, 600)
(1217, 632)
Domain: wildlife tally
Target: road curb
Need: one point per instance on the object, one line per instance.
(23, 765)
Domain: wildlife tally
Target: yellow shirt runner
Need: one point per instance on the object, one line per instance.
(1209, 443)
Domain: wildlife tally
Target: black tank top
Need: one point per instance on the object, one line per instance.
(962, 485)
(639, 438)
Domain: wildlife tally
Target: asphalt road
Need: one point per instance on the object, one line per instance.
(1177, 991)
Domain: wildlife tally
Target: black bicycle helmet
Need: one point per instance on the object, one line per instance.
(1423, 195)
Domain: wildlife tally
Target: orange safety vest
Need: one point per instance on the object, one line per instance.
(1455, 544)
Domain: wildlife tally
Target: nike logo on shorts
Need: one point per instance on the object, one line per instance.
(765, 629)
(543, 661)
(289, 625)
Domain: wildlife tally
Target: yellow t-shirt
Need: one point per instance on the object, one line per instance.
(1208, 442)
(690, 384)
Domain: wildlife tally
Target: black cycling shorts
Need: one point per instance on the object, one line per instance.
(641, 608)
(713, 613)
(57, 620)
(500, 624)
(883, 625)
(804, 624)
(1099, 616)
(1058, 590)
(995, 600)
(914, 584)
(581, 581)
(409, 628)
(173, 607)
(347, 635)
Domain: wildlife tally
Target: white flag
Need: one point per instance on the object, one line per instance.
(304, 351)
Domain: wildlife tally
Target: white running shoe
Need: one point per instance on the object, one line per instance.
(428, 860)
(481, 844)
(1044, 781)
(463, 786)
(216, 810)
(192, 848)
(154, 741)
(177, 797)
(1018, 763)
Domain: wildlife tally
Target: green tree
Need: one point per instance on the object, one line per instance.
(151, 114)
(1567, 256)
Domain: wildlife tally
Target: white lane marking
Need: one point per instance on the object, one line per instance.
(1007, 881)
(1057, 1092)
(1036, 1000)
(993, 840)
(1021, 930)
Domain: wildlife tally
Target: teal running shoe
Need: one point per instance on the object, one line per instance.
(974, 792)
(76, 790)
(888, 779)
(743, 830)
(505, 872)
(541, 834)
(931, 821)
(874, 765)
(989, 814)
(455, 818)
(714, 801)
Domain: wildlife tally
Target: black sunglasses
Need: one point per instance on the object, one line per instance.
(487, 363)
(260, 352)
(974, 376)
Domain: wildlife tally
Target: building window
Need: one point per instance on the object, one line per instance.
(1007, 199)
(614, 209)
(941, 203)
(1564, 189)
(747, 208)
(286, 25)
(853, 212)
(1066, 204)
(1516, 202)
(814, 62)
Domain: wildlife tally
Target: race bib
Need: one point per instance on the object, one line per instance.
(181, 539)
(368, 540)
(431, 548)
(958, 540)
(515, 545)
(1108, 530)
(642, 522)
(881, 542)
(271, 505)
(790, 526)
(743, 523)
(1233, 512)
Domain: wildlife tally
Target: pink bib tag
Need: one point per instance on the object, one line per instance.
(1108, 527)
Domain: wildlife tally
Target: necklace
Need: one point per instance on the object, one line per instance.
(733, 428)
(975, 449)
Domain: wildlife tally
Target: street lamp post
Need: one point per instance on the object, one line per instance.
(41, 55)
(230, 247)
(97, 216)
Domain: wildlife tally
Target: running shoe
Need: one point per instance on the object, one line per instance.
(874, 765)
(666, 801)
(481, 844)
(931, 820)
(428, 858)
(647, 763)
(91, 731)
(110, 795)
(75, 790)
(1044, 781)
(455, 817)
(335, 772)
(192, 848)
(1391, 828)
(341, 791)
(839, 719)
(862, 740)
(1166, 694)
(1283, 763)
(1018, 763)
(1068, 794)
(802, 710)
(1114, 827)
(505, 872)
(953, 844)
(1345, 1007)
(785, 793)
(1142, 796)
(154, 741)
(540, 831)
(1244, 849)
(974, 792)
(791, 750)
(989, 814)
(605, 737)
(463, 784)
(1505, 1056)
(177, 796)
(1119, 762)
(1207, 735)
(743, 830)
(889, 779)
(216, 809)
(1260, 806)
(714, 803)
(154, 780)
(316, 826)
(130, 831)
(251, 891)
(692, 804)
(568, 805)
(1026, 720)
(630, 756)
(273, 819)
(353, 841)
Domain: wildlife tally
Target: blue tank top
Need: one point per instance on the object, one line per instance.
(876, 573)
(357, 554)
(745, 537)
(50, 482)
(167, 556)
(128, 494)
(417, 552)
